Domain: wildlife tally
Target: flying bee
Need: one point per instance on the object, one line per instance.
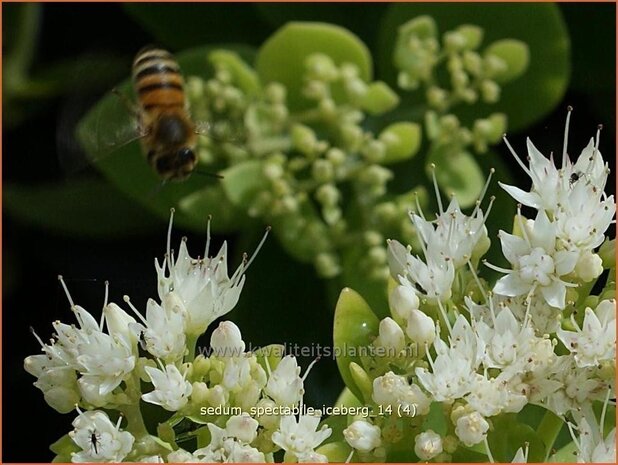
(169, 135)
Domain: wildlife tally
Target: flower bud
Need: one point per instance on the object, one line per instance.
(118, 321)
(421, 328)
(471, 428)
(390, 335)
(226, 340)
(216, 395)
(242, 427)
(589, 266)
(402, 300)
(427, 445)
(363, 436)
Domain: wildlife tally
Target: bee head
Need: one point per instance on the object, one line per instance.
(175, 164)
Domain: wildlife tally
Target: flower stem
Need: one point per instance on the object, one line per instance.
(191, 343)
(131, 411)
(548, 430)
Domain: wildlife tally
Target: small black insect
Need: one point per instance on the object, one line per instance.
(574, 178)
(94, 441)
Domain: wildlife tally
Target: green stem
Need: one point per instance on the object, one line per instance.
(18, 61)
(191, 343)
(548, 430)
(131, 411)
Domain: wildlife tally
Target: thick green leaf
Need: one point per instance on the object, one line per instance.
(336, 452)
(540, 26)
(355, 326)
(211, 200)
(242, 181)
(282, 57)
(402, 141)
(87, 207)
(458, 173)
(508, 435)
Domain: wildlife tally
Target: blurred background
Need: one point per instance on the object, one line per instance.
(63, 57)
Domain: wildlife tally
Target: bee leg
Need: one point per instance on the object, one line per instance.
(131, 107)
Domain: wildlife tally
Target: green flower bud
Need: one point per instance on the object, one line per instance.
(352, 136)
(328, 108)
(374, 151)
(490, 91)
(355, 89)
(349, 71)
(473, 63)
(402, 141)
(275, 92)
(260, 205)
(331, 215)
(423, 27)
(321, 66)
(195, 88)
(322, 171)
(607, 252)
(373, 238)
(328, 195)
(327, 265)
(336, 156)
(407, 82)
(375, 175)
(437, 98)
(386, 212)
(377, 255)
(379, 98)
(273, 170)
(362, 380)
(316, 90)
(288, 204)
(201, 366)
(454, 41)
(473, 35)
(514, 53)
(303, 139)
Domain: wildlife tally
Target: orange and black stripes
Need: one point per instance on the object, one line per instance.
(157, 79)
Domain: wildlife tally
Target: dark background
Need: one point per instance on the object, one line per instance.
(32, 258)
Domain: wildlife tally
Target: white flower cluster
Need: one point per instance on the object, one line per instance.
(537, 337)
(93, 366)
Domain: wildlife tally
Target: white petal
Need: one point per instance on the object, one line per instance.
(513, 246)
(530, 199)
(555, 294)
(511, 286)
(565, 261)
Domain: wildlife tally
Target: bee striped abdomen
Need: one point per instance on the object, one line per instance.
(157, 79)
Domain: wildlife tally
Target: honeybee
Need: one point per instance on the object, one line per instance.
(168, 134)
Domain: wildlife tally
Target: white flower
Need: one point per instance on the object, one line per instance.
(591, 446)
(224, 447)
(536, 263)
(521, 456)
(119, 324)
(596, 340)
(402, 300)
(99, 439)
(390, 336)
(285, 386)
(450, 377)
(202, 284)
(452, 234)
(226, 340)
(312, 457)
(171, 390)
(57, 381)
(427, 445)
(491, 397)
(471, 428)
(163, 332)
(300, 437)
(105, 360)
(242, 427)
(434, 277)
(395, 391)
(363, 436)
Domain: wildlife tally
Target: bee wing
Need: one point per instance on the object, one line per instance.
(97, 132)
(220, 133)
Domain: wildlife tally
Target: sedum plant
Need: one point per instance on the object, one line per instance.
(308, 141)
(142, 392)
(463, 369)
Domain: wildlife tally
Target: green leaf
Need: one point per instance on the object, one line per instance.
(355, 326)
(347, 399)
(282, 57)
(336, 452)
(508, 435)
(87, 207)
(211, 200)
(245, 77)
(538, 25)
(514, 53)
(242, 181)
(64, 446)
(402, 141)
(458, 173)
